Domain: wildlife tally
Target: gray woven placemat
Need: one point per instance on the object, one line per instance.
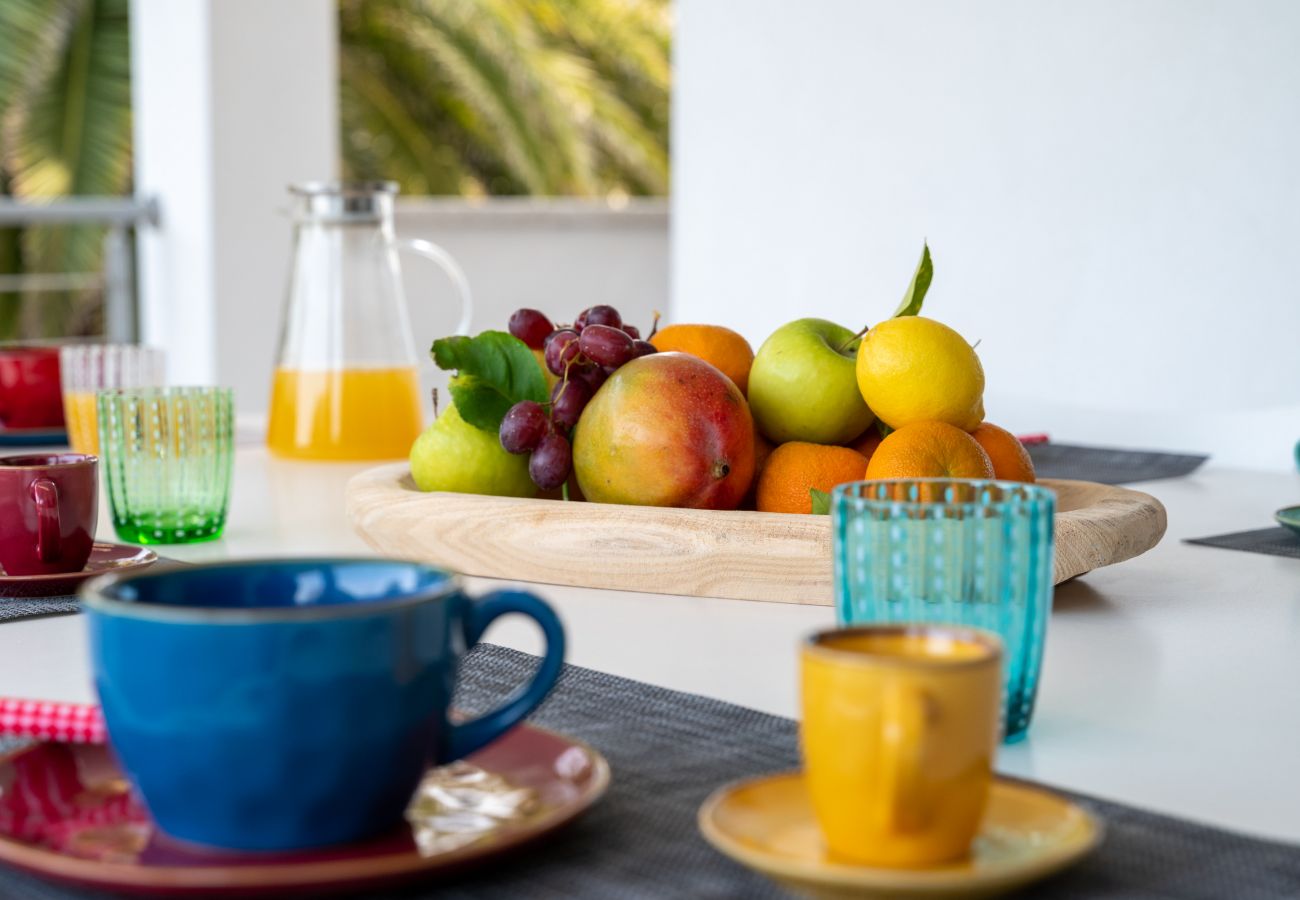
(669, 750)
(1276, 541)
(1109, 465)
(11, 608)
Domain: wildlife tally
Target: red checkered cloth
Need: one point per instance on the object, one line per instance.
(75, 723)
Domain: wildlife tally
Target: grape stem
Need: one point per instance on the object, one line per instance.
(569, 365)
(654, 326)
(564, 490)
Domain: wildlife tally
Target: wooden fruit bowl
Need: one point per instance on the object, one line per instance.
(739, 554)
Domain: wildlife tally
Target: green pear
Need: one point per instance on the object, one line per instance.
(453, 455)
(804, 385)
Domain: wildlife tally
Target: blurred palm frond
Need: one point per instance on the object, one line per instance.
(508, 96)
(65, 130)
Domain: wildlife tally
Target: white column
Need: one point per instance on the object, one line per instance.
(232, 101)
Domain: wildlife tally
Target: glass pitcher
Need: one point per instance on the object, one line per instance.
(346, 383)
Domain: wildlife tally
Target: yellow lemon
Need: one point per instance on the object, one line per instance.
(913, 369)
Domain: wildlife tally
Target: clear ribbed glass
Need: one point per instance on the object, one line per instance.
(166, 455)
(960, 552)
(87, 369)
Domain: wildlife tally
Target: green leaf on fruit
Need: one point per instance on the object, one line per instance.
(494, 371)
(911, 305)
(821, 502)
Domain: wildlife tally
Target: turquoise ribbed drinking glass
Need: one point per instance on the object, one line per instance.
(166, 455)
(961, 552)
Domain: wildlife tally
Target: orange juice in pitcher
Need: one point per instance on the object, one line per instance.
(345, 414)
(346, 383)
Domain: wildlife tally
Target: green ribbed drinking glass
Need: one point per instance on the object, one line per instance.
(166, 455)
(952, 551)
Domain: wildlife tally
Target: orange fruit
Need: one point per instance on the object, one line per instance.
(929, 450)
(1010, 459)
(795, 468)
(867, 442)
(762, 450)
(721, 347)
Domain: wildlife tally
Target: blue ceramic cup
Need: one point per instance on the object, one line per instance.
(286, 704)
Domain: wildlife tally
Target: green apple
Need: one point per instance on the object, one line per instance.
(804, 385)
(453, 455)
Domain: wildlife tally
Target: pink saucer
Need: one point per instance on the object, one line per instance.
(103, 558)
(67, 814)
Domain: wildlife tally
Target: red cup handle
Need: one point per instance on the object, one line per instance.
(48, 533)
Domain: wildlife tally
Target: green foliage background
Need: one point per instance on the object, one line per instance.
(507, 96)
(468, 97)
(65, 129)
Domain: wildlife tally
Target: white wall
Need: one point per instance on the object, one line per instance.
(1111, 190)
(170, 84)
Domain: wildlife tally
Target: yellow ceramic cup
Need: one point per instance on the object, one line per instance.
(900, 724)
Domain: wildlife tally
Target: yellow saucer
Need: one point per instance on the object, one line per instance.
(767, 824)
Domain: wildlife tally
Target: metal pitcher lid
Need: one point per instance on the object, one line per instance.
(349, 201)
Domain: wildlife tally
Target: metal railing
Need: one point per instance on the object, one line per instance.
(120, 216)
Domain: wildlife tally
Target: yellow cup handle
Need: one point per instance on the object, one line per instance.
(907, 712)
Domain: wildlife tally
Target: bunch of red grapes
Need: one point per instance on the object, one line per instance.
(582, 356)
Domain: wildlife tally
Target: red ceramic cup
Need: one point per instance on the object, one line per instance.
(49, 504)
(30, 392)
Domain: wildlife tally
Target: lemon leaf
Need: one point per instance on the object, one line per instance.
(821, 502)
(494, 371)
(911, 305)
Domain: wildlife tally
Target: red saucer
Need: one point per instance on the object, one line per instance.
(67, 814)
(103, 558)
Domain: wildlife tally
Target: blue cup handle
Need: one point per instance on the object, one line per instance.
(467, 737)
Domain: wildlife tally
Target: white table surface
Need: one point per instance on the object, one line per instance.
(1171, 681)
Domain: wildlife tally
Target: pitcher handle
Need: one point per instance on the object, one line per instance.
(454, 272)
